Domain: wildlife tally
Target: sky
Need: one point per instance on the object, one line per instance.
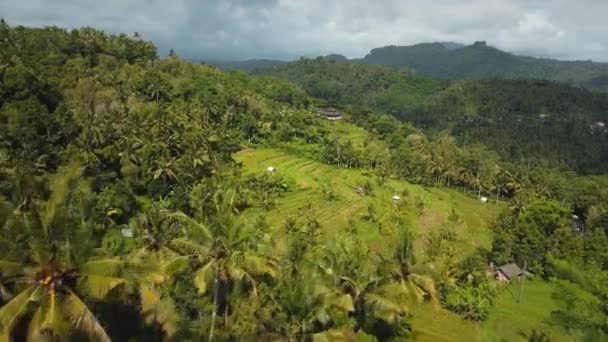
(287, 29)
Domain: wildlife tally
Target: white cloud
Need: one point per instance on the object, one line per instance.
(288, 28)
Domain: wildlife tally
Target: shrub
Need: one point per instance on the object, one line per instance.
(472, 302)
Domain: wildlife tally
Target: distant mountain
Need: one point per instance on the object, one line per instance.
(246, 65)
(480, 61)
(455, 61)
(255, 64)
(453, 45)
(335, 57)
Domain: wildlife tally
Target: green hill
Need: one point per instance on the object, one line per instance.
(246, 65)
(455, 61)
(342, 83)
(480, 61)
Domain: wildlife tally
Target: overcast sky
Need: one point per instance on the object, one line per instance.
(241, 29)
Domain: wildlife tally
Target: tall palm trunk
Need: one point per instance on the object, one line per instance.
(216, 295)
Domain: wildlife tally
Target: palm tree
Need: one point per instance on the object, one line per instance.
(226, 254)
(56, 272)
(308, 303)
(373, 297)
(408, 274)
(158, 263)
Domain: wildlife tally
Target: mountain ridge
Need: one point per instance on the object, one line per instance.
(449, 60)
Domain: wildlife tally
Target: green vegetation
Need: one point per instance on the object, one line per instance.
(344, 83)
(514, 319)
(156, 199)
(479, 61)
(529, 122)
(459, 62)
(247, 65)
(309, 178)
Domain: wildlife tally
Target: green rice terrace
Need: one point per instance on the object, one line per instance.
(509, 319)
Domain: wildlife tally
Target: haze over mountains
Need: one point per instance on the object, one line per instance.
(457, 61)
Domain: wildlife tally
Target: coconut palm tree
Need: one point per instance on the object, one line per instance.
(309, 303)
(374, 297)
(159, 263)
(227, 253)
(410, 276)
(57, 269)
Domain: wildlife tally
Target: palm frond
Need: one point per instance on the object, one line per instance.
(98, 286)
(329, 297)
(383, 307)
(161, 311)
(10, 268)
(195, 228)
(106, 266)
(77, 312)
(149, 298)
(342, 301)
(257, 265)
(54, 322)
(241, 275)
(427, 285)
(19, 306)
(157, 309)
(187, 246)
(34, 331)
(62, 184)
(175, 265)
(204, 277)
(150, 266)
(167, 316)
(411, 293)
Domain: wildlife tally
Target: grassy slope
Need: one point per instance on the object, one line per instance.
(308, 175)
(508, 318)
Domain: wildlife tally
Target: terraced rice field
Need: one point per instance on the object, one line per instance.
(307, 178)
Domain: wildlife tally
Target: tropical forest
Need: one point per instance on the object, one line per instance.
(149, 197)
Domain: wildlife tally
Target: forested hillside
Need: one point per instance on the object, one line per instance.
(480, 61)
(247, 65)
(156, 199)
(344, 83)
(530, 122)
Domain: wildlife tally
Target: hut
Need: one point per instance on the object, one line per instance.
(330, 114)
(271, 169)
(508, 272)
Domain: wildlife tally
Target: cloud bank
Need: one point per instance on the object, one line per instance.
(285, 29)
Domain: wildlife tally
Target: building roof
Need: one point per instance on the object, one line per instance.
(510, 270)
(329, 112)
